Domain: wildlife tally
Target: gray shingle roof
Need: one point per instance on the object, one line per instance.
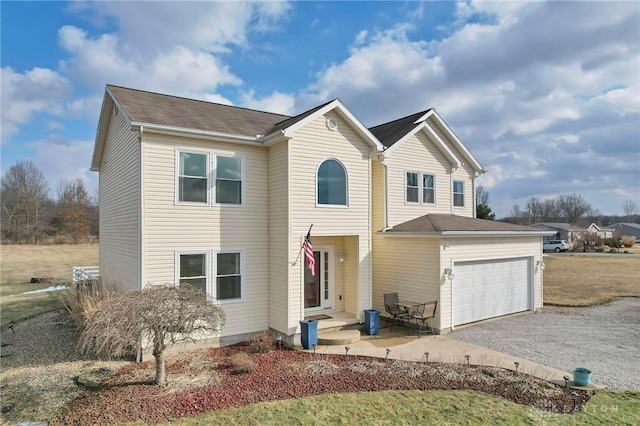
(173, 111)
(391, 132)
(449, 222)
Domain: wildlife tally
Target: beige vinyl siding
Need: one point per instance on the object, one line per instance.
(377, 196)
(407, 266)
(119, 183)
(469, 249)
(311, 145)
(171, 227)
(279, 299)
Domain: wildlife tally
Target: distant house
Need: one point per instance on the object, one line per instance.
(222, 198)
(601, 232)
(632, 229)
(563, 231)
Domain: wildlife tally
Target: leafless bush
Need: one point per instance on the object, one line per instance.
(628, 241)
(160, 314)
(80, 301)
(242, 363)
(262, 343)
(321, 367)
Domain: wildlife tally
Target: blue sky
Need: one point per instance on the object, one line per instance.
(545, 94)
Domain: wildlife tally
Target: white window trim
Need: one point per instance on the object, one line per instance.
(406, 187)
(346, 182)
(214, 179)
(214, 284)
(207, 259)
(453, 194)
(435, 198)
(178, 151)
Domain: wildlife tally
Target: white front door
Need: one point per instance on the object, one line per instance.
(318, 288)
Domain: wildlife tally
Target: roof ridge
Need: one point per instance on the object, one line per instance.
(199, 100)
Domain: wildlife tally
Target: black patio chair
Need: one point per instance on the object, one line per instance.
(424, 312)
(396, 315)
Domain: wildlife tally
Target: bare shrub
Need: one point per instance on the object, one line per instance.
(408, 369)
(242, 363)
(181, 383)
(262, 343)
(365, 367)
(80, 301)
(160, 314)
(628, 241)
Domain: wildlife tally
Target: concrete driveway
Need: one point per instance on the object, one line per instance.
(605, 339)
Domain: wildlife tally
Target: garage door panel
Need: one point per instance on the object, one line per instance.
(486, 289)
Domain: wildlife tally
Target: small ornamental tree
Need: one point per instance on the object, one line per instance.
(159, 314)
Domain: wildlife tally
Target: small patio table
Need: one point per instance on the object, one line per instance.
(408, 307)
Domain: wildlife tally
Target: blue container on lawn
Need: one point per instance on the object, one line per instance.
(581, 376)
(309, 333)
(371, 321)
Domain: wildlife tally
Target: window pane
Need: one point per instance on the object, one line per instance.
(192, 265)
(228, 287)
(412, 179)
(193, 164)
(458, 200)
(428, 196)
(427, 181)
(228, 263)
(412, 195)
(228, 191)
(332, 183)
(458, 186)
(200, 283)
(193, 189)
(228, 168)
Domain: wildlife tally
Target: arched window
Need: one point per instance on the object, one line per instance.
(332, 183)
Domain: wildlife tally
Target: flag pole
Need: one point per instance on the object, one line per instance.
(301, 245)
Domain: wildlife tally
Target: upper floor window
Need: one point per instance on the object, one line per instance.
(412, 192)
(428, 189)
(228, 180)
(332, 184)
(458, 193)
(192, 178)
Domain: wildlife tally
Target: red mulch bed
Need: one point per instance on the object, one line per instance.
(286, 374)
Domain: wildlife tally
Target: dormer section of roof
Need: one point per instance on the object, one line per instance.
(394, 133)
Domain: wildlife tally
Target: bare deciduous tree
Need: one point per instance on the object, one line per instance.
(159, 314)
(74, 210)
(26, 207)
(629, 208)
(573, 207)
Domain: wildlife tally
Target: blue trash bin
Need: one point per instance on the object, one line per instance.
(309, 333)
(371, 321)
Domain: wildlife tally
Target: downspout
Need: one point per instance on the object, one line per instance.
(140, 216)
(386, 196)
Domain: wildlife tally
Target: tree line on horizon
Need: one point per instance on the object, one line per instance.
(31, 216)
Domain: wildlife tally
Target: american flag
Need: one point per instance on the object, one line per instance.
(308, 253)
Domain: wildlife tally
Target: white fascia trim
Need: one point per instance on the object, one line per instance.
(476, 165)
(274, 138)
(199, 134)
(409, 234)
(424, 117)
(468, 234)
(372, 140)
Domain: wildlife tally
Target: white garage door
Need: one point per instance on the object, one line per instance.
(490, 288)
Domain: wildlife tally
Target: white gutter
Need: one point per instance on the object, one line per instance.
(466, 234)
(201, 134)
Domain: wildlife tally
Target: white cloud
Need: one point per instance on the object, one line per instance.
(25, 94)
(277, 102)
(60, 159)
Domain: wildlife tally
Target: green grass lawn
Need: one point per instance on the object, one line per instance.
(418, 407)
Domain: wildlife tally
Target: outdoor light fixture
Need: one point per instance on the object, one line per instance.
(341, 257)
(540, 265)
(448, 272)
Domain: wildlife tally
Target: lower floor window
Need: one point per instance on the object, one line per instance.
(194, 268)
(228, 276)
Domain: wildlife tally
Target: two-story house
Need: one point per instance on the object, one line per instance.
(222, 197)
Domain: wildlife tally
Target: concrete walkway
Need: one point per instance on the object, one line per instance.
(442, 349)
